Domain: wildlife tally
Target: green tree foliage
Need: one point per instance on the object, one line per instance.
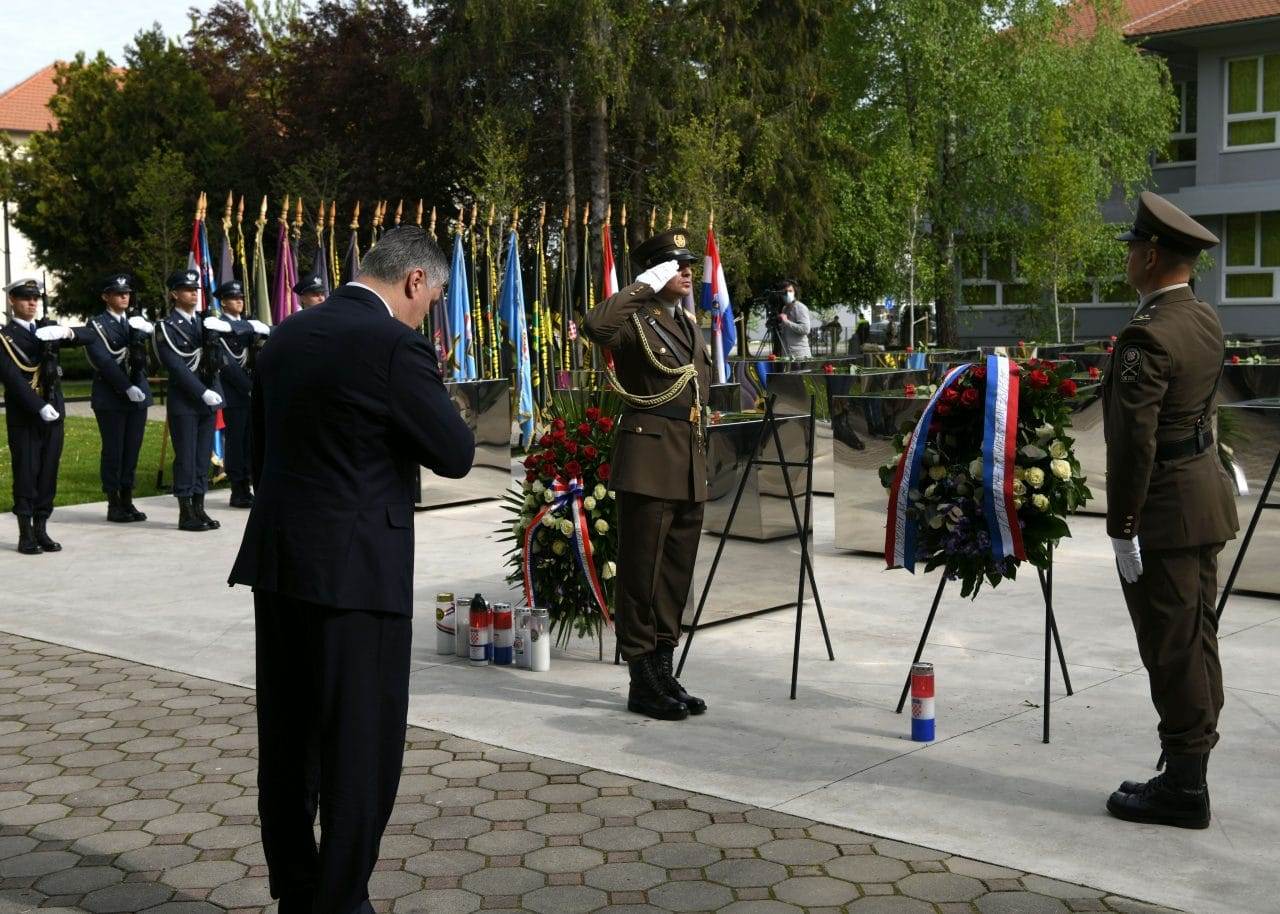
(158, 203)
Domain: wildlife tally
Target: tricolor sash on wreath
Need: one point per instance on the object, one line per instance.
(566, 494)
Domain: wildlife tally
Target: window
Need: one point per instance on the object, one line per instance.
(1253, 101)
(1251, 259)
(1182, 141)
(986, 272)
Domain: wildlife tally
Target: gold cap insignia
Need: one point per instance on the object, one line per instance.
(679, 240)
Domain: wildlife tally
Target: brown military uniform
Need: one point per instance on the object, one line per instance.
(659, 465)
(1177, 500)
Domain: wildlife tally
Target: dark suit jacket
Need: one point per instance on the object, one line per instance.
(1163, 372)
(105, 336)
(22, 403)
(654, 456)
(347, 404)
(174, 336)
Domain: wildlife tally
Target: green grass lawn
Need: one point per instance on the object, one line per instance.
(78, 480)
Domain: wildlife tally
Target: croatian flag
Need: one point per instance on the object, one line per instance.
(200, 260)
(715, 298)
(999, 456)
(610, 284)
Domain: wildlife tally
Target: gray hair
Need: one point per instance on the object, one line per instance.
(401, 250)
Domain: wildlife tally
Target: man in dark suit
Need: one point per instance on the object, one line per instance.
(339, 432)
(116, 345)
(33, 411)
(237, 370)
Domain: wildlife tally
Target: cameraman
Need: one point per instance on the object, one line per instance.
(794, 323)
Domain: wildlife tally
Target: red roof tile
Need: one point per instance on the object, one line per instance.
(1154, 17)
(25, 107)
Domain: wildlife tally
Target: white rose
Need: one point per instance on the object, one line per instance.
(589, 503)
(602, 526)
(975, 468)
(1034, 477)
(1060, 468)
(548, 520)
(566, 527)
(610, 569)
(1044, 432)
(1017, 503)
(937, 472)
(599, 493)
(1019, 487)
(936, 522)
(1058, 449)
(548, 496)
(613, 494)
(1041, 502)
(537, 487)
(1019, 473)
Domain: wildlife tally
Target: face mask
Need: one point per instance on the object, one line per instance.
(791, 297)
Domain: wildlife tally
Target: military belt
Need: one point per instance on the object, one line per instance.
(668, 411)
(1188, 447)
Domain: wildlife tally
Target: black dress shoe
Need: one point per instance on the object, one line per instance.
(42, 535)
(197, 505)
(27, 544)
(648, 694)
(1178, 796)
(126, 502)
(666, 663)
(116, 512)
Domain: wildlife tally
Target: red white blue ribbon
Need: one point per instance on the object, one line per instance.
(999, 457)
(566, 494)
(900, 532)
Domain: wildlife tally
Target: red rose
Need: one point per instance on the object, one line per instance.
(590, 453)
(1235, 360)
(571, 447)
(944, 408)
(531, 461)
(1038, 379)
(557, 425)
(530, 475)
(557, 437)
(969, 397)
(773, 357)
(829, 368)
(1113, 339)
(572, 469)
(1093, 372)
(909, 390)
(604, 423)
(603, 472)
(1110, 349)
(593, 413)
(911, 349)
(545, 440)
(584, 429)
(1067, 388)
(950, 395)
(979, 372)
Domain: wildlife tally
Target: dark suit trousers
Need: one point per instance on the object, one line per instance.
(333, 696)
(235, 444)
(122, 432)
(36, 452)
(657, 546)
(1174, 615)
(192, 438)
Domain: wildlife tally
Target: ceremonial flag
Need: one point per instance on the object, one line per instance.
(610, 285)
(261, 291)
(511, 310)
(351, 262)
(208, 281)
(321, 267)
(283, 300)
(226, 259)
(458, 303)
(195, 257)
(715, 298)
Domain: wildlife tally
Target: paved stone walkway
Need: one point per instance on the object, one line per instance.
(127, 788)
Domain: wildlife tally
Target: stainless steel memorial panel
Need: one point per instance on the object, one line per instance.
(1253, 431)
(486, 408)
(764, 513)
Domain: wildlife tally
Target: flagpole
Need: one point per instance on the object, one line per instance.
(626, 250)
(562, 297)
(477, 318)
(588, 297)
(332, 250)
(242, 257)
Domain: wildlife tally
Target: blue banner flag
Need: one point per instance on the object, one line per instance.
(458, 302)
(511, 312)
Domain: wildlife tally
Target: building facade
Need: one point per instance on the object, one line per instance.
(24, 111)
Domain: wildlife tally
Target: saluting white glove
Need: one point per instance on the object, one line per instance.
(48, 413)
(657, 277)
(54, 332)
(259, 327)
(211, 398)
(217, 324)
(141, 324)
(135, 394)
(1128, 558)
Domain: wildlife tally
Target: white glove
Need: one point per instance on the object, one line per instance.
(211, 398)
(141, 324)
(135, 394)
(48, 413)
(656, 278)
(218, 324)
(54, 332)
(259, 327)
(1128, 558)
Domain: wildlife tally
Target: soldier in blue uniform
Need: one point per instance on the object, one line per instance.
(33, 412)
(237, 380)
(117, 348)
(310, 291)
(188, 347)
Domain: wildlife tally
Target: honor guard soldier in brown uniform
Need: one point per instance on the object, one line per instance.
(663, 372)
(1170, 506)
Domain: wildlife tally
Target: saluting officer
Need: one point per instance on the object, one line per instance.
(310, 291)
(33, 411)
(237, 382)
(116, 345)
(1170, 506)
(659, 464)
(187, 345)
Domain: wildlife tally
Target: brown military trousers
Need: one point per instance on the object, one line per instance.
(657, 546)
(1174, 615)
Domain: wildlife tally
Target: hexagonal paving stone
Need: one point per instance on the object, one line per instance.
(207, 874)
(625, 877)
(690, 895)
(505, 843)
(503, 880)
(251, 892)
(797, 851)
(156, 857)
(566, 793)
(569, 859)
(908, 851)
(739, 834)
(761, 906)
(35, 813)
(183, 823)
(1020, 903)
(815, 891)
(225, 836)
(745, 872)
(564, 899)
(438, 901)
(476, 768)
(680, 855)
(868, 868)
(113, 842)
(1044, 886)
(889, 904)
(79, 880)
(940, 887)
(513, 780)
(563, 823)
(37, 863)
(621, 838)
(674, 820)
(73, 828)
(126, 898)
(140, 810)
(444, 863)
(393, 884)
(508, 810)
(452, 827)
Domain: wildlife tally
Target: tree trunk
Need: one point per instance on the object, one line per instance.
(1057, 322)
(945, 235)
(599, 171)
(570, 240)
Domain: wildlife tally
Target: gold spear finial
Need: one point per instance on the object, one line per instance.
(515, 216)
(284, 210)
(493, 209)
(623, 222)
(566, 217)
(355, 217)
(670, 216)
(542, 214)
(608, 214)
(418, 219)
(711, 219)
(231, 202)
(262, 212)
(461, 223)
(297, 215)
(586, 213)
(686, 219)
(333, 214)
(399, 210)
(475, 214)
(431, 231)
(320, 218)
(653, 219)
(240, 210)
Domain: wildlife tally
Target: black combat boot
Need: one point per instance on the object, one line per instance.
(1178, 796)
(42, 535)
(126, 502)
(648, 694)
(241, 495)
(1135, 786)
(27, 544)
(666, 664)
(197, 505)
(187, 518)
(116, 512)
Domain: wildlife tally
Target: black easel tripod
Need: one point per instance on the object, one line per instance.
(769, 427)
(1051, 639)
(1248, 536)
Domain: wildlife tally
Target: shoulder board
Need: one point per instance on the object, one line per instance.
(1139, 318)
